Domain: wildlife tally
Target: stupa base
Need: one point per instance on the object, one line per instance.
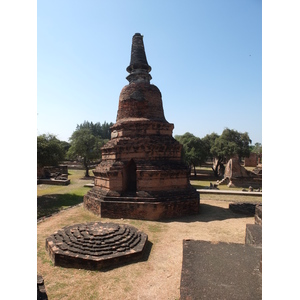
(143, 208)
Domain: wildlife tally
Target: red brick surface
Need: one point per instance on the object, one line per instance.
(141, 174)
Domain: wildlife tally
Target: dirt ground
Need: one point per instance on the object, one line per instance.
(158, 275)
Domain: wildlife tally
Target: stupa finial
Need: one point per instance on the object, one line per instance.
(138, 67)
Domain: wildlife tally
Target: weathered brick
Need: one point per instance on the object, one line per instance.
(141, 175)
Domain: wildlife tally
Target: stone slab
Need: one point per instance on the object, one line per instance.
(208, 191)
(220, 271)
(53, 181)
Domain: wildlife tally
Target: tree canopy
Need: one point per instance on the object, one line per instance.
(86, 142)
(222, 147)
(194, 152)
(97, 130)
(208, 142)
(231, 142)
(257, 148)
(50, 150)
(228, 144)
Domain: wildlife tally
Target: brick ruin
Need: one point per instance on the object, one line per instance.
(251, 161)
(96, 245)
(141, 175)
(237, 175)
(234, 169)
(48, 172)
(54, 175)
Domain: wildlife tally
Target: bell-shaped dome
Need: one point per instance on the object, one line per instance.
(140, 100)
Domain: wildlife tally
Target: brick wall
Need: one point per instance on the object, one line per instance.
(251, 161)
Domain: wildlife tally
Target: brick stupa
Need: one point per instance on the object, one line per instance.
(141, 175)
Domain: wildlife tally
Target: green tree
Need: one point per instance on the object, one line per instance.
(50, 150)
(86, 142)
(228, 144)
(257, 148)
(98, 130)
(66, 146)
(193, 150)
(208, 142)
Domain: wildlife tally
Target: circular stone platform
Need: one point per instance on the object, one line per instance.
(96, 245)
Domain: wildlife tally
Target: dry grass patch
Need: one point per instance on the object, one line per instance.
(157, 277)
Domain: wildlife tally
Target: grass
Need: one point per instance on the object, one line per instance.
(77, 180)
(49, 204)
(54, 198)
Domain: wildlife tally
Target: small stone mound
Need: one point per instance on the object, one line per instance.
(95, 245)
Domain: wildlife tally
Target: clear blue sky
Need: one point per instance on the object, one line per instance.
(206, 59)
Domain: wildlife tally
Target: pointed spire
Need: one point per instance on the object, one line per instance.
(138, 68)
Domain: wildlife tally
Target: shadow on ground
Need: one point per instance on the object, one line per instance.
(50, 204)
(117, 264)
(209, 213)
(144, 257)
